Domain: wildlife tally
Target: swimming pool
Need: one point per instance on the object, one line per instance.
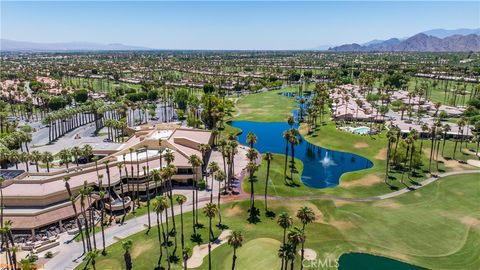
(361, 130)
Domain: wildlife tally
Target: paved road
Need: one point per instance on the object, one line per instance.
(71, 253)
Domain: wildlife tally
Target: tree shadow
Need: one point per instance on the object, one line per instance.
(174, 258)
(254, 215)
(270, 214)
(196, 238)
(222, 226)
(199, 226)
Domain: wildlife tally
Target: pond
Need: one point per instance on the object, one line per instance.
(322, 167)
(351, 261)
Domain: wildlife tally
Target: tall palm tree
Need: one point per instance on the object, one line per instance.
(102, 222)
(76, 153)
(160, 204)
(127, 246)
(92, 257)
(65, 156)
(268, 157)
(213, 168)
(47, 158)
(2, 179)
(120, 166)
(181, 200)
(72, 200)
(252, 168)
(235, 240)
(295, 237)
(293, 141)
(210, 210)
(36, 156)
(306, 216)
(110, 191)
(196, 163)
(286, 136)
(251, 139)
(220, 176)
(285, 221)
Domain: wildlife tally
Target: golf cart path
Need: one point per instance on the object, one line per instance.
(199, 252)
(374, 198)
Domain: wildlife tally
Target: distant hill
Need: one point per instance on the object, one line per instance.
(13, 45)
(443, 33)
(418, 43)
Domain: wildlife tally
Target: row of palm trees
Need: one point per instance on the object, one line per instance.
(35, 156)
(295, 236)
(65, 120)
(116, 129)
(410, 157)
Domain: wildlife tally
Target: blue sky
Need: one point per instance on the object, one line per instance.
(229, 25)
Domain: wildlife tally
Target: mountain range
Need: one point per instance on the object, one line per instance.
(436, 40)
(13, 45)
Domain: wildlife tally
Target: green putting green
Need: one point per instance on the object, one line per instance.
(260, 253)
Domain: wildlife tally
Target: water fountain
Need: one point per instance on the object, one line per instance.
(326, 161)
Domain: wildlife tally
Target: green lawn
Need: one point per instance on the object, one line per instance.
(268, 106)
(437, 226)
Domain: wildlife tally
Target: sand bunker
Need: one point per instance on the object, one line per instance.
(361, 145)
(199, 252)
(382, 154)
(308, 253)
(367, 180)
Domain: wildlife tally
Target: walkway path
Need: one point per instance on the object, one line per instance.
(71, 251)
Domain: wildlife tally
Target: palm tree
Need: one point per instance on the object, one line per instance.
(87, 152)
(47, 158)
(391, 139)
(285, 221)
(76, 153)
(160, 204)
(36, 156)
(306, 215)
(102, 222)
(65, 156)
(446, 129)
(91, 257)
(196, 163)
(235, 240)
(72, 199)
(286, 136)
(120, 166)
(286, 253)
(293, 141)
(251, 168)
(25, 157)
(210, 211)
(181, 200)
(220, 176)
(13, 250)
(268, 157)
(461, 124)
(110, 191)
(295, 237)
(2, 179)
(251, 139)
(213, 168)
(127, 246)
